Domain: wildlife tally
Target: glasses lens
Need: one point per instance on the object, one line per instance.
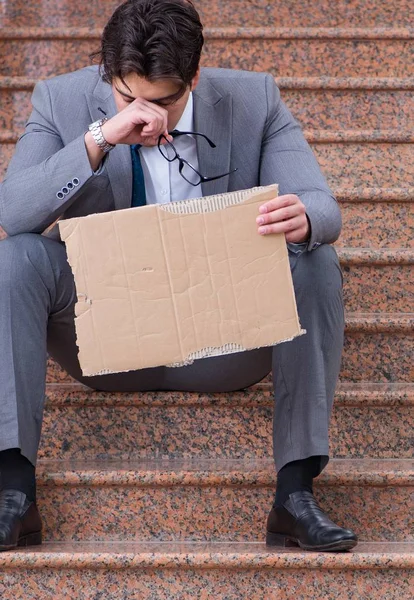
(168, 151)
(189, 174)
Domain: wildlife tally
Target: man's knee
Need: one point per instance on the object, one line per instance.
(317, 272)
(14, 253)
(24, 254)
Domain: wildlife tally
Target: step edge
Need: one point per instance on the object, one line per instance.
(229, 33)
(379, 322)
(167, 473)
(206, 556)
(375, 256)
(258, 395)
(18, 82)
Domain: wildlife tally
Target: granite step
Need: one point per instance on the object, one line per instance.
(364, 164)
(370, 52)
(223, 571)
(213, 499)
(343, 107)
(376, 218)
(386, 165)
(378, 348)
(378, 280)
(358, 13)
(369, 420)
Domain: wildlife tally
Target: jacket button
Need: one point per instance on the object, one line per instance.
(75, 181)
(65, 191)
(60, 195)
(70, 185)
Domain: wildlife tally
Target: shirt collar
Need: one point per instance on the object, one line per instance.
(186, 121)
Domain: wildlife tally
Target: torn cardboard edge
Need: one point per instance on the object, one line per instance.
(128, 257)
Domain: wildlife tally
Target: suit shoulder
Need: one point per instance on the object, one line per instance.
(82, 80)
(232, 81)
(233, 76)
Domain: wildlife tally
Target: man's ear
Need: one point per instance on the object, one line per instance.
(195, 79)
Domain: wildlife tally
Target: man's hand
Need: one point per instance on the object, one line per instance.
(141, 122)
(285, 214)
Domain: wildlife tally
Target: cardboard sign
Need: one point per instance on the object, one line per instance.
(168, 284)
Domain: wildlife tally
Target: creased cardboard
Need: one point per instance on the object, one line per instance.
(168, 284)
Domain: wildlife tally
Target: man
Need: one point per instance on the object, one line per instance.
(149, 87)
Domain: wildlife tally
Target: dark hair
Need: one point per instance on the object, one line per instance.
(156, 39)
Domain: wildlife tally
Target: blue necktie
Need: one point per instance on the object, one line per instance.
(139, 197)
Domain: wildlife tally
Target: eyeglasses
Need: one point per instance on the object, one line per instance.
(186, 169)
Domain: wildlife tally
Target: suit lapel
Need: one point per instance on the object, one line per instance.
(118, 161)
(213, 117)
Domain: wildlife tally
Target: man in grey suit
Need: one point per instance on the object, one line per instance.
(137, 110)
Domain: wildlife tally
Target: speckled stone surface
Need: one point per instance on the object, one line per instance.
(219, 500)
(368, 420)
(45, 58)
(378, 280)
(15, 109)
(366, 165)
(6, 152)
(378, 357)
(309, 58)
(281, 57)
(351, 109)
(224, 571)
(352, 13)
(377, 225)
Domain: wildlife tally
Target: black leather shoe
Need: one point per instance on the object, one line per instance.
(302, 522)
(20, 522)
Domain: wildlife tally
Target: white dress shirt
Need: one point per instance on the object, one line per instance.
(163, 182)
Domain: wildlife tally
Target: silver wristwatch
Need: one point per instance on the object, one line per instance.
(96, 131)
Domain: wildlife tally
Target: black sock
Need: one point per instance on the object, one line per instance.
(296, 476)
(17, 473)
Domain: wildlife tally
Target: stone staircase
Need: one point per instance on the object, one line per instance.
(165, 495)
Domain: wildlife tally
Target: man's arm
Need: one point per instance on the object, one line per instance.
(288, 160)
(31, 194)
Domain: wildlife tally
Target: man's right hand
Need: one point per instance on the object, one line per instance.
(141, 122)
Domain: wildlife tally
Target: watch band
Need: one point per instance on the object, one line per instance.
(96, 131)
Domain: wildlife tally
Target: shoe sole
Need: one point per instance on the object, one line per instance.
(31, 539)
(282, 541)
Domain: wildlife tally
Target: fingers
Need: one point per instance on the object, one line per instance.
(153, 118)
(285, 214)
(281, 214)
(141, 122)
(284, 226)
(279, 202)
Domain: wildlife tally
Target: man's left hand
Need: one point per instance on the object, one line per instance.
(284, 214)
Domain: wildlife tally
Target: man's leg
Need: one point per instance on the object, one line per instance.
(305, 370)
(305, 373)
(35, 281)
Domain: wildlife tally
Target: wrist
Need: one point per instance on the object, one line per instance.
(99, 137)
(108, 134)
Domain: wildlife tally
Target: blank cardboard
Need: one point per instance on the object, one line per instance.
(169, 284)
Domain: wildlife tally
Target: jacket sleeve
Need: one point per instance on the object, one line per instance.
(288, 160)
(44, 177)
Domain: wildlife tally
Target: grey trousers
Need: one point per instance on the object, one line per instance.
(37, 298)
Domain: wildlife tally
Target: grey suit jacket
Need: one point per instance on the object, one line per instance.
(242, 112)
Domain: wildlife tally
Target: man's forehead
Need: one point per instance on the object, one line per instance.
(133, 86)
